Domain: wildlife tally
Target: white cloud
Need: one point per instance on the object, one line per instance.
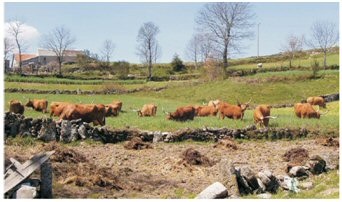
(28, 32)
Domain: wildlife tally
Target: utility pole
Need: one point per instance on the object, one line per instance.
(258, 40)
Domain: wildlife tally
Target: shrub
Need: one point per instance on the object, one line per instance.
(177, 64)
(314, 68)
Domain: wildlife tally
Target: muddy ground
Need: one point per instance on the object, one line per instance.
(96, 170)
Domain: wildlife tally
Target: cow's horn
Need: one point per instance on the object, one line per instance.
(238, 102)
(322, 114)
(249, 101)
(270, 117)
(164, 111)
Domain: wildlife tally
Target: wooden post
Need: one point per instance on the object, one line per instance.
(46, 180)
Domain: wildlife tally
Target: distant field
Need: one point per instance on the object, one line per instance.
(130, 118)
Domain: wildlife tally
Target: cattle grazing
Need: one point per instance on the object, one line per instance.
(118, 104)
(306, 110)
(316, 101)
(205, 110)
(262, 115)
(112, 109)
(148, 110)
(182, 114)
(233, 111)
(86, 112)
(16, 107)
(56, 108)
(38, 104)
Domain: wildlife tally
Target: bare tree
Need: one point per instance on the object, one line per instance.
(58, 40)
(16, 31)
(148, 47)
(229, 23)
(8, 48)
(107, 49)
(193, 49)
(293, 45)
(324, 36)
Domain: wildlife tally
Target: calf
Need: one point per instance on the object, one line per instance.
(148, 110)
(306, 110)
(38, 104)
(112, 109)
(16, 107)
(182, 114)
(316, 101)
(56, 108)
(206, 110)
(232, 111)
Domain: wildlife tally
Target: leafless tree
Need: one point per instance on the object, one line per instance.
(107, 49)
(16, 31)
(324, 36)
(8, 48)
(148, 48)
(229, 23)
(193, 49)
(293, 45)
(58, 40)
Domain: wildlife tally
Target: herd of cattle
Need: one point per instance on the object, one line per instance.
(96, 113)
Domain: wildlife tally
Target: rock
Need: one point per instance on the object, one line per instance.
(214, 191)
(65, 135)
(250, 177)
(269, 180)
(74, 133)
(306, 185)
(48, 131)
(264, 196)
(157, 137)
(316, 165)
(26, 192)
(228, 177)
(262, 187)
(332, 161)
(82, 131)
(299, 171)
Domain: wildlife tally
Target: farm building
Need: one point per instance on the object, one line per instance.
(45, 57)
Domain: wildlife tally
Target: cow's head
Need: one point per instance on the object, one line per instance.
(169, 116)
(29, 103)
(243, 106)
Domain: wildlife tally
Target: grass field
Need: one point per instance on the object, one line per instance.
(130, 119)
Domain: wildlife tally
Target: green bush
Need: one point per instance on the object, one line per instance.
(177, 64)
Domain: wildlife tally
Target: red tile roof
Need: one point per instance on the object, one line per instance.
(24, 57)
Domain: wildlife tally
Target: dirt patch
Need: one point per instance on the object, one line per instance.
(64, 155)
(228, 143)
(296, 155)
(329, 142)
(194, 157)
(136, 143)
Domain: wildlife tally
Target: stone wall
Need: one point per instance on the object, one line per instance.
(67, 131)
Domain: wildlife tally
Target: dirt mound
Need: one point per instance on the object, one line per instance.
(63, 154)
(329, 142)
(226, 143)
(194, 157)
(296, 155)
(136, 143)
(90, 176)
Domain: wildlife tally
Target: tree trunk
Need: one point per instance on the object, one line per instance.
(325, 60)
(149, 62)
(60, 66)
(225, 60)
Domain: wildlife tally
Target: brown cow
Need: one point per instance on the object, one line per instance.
(182, 114)
(262, 115)
(232, 111)
(118, 104)
(206, 110)
(38, 104)
(56, 108)
(87, 112)
(148, 110)
(16, 107)
(306, 110)
(316, 101)
(112, 109)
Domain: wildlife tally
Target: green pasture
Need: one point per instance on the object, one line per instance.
(243, 88)
(129, 118)
(332, 59)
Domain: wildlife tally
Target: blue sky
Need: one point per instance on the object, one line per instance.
(92, 23)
